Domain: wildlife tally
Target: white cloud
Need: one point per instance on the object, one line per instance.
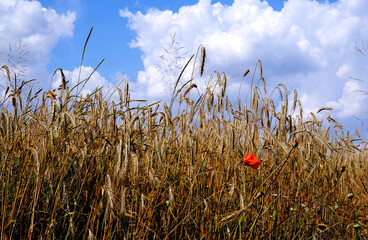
(308, 45)
(344, 71)
(38, 28)
(78, 75)
(352, 102)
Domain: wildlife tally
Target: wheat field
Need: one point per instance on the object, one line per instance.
(75, 167)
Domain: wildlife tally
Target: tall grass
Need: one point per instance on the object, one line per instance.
(74, 167)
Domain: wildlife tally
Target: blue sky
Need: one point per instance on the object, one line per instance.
(308, 45)
(110, 36)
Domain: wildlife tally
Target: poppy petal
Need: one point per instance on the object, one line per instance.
(252, 161)
(255, 165)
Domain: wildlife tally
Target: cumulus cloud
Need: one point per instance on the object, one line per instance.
(308, 45)
(351, 102)
(78, 75)
(39, 29)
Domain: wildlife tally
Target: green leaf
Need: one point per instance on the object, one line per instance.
(274, 214)
(356, 226)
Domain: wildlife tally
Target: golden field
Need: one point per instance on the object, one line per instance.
(74, 167)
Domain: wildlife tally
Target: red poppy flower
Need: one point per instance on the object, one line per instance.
(252, 161)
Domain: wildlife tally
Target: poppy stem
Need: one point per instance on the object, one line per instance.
(244, 190)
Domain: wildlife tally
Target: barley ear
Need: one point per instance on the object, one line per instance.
(203, 60)
(246, 73)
